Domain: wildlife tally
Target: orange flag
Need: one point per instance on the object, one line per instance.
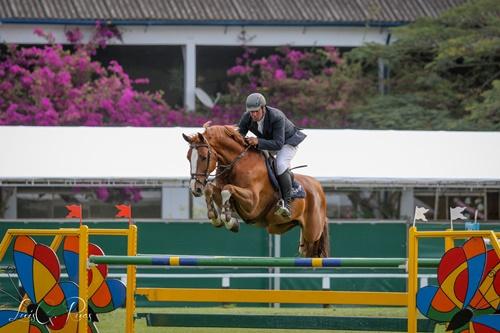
(75, 211)
(124, 211)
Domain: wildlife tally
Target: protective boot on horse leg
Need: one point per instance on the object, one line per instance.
(209, 192)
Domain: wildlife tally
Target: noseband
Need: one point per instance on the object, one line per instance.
(206, 173)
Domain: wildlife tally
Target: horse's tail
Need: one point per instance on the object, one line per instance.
(322, 245)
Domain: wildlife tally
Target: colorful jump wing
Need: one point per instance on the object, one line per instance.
(16, 321)
(71, 324)
(488, 294)
(105, 295)
(467, 295)
(47, 300)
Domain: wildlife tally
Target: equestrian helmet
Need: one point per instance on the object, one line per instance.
(255, 101)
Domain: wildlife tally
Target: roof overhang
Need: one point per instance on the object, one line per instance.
(284, 23)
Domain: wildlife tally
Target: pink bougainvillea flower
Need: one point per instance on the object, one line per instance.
(279, 74)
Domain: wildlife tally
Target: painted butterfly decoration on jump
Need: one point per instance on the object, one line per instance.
(468, 295)
(49, 303)
(105, 295)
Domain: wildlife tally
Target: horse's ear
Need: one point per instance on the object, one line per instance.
(187, 138)
(201, 137)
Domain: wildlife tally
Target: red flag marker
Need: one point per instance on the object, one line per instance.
(124, 211)
(75, 211)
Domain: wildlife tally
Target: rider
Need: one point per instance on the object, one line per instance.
(275, 133)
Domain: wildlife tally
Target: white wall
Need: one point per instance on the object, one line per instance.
(175, 203)
(213, 35)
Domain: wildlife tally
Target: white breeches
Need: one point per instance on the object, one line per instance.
(284, 158)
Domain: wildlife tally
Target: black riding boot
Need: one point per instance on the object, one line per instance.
(285, 181)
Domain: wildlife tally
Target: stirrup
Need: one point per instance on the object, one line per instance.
(282, 209)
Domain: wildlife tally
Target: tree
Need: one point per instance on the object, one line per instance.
(51, 85)
(299, 82)
(444, 73)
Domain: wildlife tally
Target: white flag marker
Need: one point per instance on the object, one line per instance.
(419, 214)
(455, 214)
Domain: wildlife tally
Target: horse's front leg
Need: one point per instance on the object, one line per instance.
(247, 201)
(209, 192)
(231, 222)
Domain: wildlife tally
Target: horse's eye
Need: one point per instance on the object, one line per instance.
(203, 158)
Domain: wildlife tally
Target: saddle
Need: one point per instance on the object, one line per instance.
(297, 189)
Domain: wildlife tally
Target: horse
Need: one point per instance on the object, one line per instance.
(242, 185)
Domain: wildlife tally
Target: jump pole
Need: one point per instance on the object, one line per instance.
(208, 261)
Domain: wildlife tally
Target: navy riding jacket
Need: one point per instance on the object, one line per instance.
(277, 130)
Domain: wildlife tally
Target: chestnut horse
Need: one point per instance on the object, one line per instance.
(242, 185)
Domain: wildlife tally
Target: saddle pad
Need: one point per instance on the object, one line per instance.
(297, 189)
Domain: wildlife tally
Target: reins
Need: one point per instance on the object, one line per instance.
(225, 168)
(228, 167)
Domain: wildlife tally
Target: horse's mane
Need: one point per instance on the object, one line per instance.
(222, 131)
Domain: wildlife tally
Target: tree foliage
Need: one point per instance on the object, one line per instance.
(444, 73)
(52, 85)
(297, 81)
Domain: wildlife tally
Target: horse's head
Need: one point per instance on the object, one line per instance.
(203, 160)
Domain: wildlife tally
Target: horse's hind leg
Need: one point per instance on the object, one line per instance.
(211, 209)
(312, 247)
(302, 245)
(306, 248)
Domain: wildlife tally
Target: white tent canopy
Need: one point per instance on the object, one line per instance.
(159, 154)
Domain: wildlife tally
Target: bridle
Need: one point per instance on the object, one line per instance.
(206, 174)
(225, 168)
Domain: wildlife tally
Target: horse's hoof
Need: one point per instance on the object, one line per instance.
(302, 250)
(233, 225)
(217, 223)
(236, 226)
(211, 215)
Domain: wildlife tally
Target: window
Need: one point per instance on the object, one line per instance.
(49, 202)
(364, 203)
(163, 65)
(474, 204)
(439, 201)
(199, 208)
